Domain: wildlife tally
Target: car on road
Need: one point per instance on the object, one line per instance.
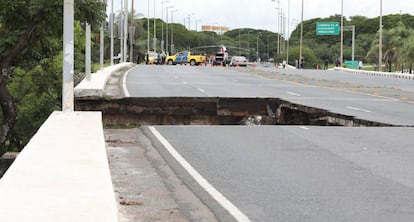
(152, 58)
(238, 61)
(185, 57)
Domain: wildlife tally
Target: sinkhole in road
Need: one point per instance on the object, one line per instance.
(132, 111)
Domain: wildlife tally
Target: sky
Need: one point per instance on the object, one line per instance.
(261, 14)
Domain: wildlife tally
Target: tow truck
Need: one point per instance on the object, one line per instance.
(185, 57)
(222, 57)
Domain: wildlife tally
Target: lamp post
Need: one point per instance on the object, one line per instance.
(267, 47)
(172, 31)
(380, 41)
(154, 40)
(121, 34)
(301, 38)
(279, 13)
(132, 33)
(148, 29)
(239, 44)
(342, 33)
(198, 20)
(166, 35)
(111, 20)
(257, 46)
(248, 45)
(125, 31)
(288, 33)
(68, 56)
(189, 23)
(162, 25)
(101, 48)
(88, 51)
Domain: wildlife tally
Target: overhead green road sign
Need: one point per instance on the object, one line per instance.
(327, 28)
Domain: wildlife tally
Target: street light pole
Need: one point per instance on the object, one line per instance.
(189, 23)
(248, 45)
(121, 34)
(101, 48)
(301, 39)
(380, 41)
(257, 46)
(126, 30)
(166, 35)
(162, 25)
(148, 24)
(198, 20)
(68, 56)
(154, 41)
(288, 33)
(342, 33)
(239, 44)
(279, 13)
(111, 20)
(132, 34)
(267, 47)
(88, 51)
(172, 32)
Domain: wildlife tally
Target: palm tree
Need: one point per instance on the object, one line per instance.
(407, 52)
(393, 42)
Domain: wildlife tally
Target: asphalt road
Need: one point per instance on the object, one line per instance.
(186, 81)
(293, 173)
(359, 79)
(290, 173)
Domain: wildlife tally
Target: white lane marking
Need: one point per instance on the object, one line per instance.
(201, 90)
(294, 94)
(358, 109)
(124, 87)
(219, 197)
(185, 83)
(304, 127)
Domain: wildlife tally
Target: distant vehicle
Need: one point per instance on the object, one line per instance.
(238, 61)
(221, 57)
(153, 58)
(185, 57)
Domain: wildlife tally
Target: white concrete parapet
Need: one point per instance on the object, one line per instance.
(62, 174)
(96, 86)
(374, 73)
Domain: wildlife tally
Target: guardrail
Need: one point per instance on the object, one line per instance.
(375, 73)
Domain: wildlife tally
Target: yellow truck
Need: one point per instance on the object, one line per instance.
(185, 57)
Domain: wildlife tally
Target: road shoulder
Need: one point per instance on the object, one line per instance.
(145, 186)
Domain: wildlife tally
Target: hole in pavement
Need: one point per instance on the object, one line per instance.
(131, 112)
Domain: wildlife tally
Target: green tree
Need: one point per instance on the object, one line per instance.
(392, 44)
(407, 51)
(30, 36)
(310, 60)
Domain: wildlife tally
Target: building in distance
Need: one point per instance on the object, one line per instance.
(220, 30)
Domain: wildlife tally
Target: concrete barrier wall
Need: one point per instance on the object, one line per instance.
(96, 86)
(62, 174)
(374, 73)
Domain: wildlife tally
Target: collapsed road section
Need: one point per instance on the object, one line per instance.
(131, 112)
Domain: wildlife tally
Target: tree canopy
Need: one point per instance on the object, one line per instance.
(31, 52)
(30, 61)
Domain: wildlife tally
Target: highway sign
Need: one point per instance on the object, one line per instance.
(327, 28)
(351, 64)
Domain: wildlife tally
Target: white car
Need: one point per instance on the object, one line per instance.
(238, 61)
